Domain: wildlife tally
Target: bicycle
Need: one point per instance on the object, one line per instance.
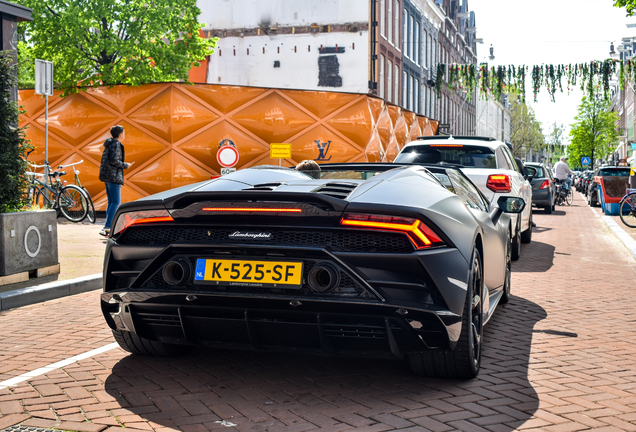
(91, 207)
(68, 200)
(627, 208)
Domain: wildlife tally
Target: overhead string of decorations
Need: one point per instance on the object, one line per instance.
(593, 78)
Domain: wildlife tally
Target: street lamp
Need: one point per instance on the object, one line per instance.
(492, 53)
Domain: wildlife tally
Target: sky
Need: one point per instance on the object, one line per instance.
(549, 32)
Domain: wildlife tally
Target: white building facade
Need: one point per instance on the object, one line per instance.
(296, 44)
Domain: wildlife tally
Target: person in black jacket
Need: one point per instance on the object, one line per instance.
(111, 172)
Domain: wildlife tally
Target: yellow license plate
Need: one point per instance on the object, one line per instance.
(249, 273)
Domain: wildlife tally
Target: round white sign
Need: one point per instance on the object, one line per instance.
(227, 156)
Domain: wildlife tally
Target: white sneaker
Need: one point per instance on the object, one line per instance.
(104, 232)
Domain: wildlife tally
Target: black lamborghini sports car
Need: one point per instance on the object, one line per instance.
(372, 260)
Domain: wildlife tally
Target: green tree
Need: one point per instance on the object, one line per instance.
(13, 145)
(594, 133)
(629, 4)
(95, 42)
(525, 131)
(554, 142)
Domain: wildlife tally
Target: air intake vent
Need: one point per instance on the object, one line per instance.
(265, 186)
(337, 189)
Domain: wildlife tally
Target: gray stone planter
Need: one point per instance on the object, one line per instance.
(28, 242)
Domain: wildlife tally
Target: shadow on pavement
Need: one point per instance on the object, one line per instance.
(211, 389)
(535, 257)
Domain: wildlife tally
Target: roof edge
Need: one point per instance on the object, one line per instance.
(22, 13)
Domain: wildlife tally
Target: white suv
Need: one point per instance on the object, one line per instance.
(488, 163)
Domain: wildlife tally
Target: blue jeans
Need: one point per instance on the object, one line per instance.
(113, 192)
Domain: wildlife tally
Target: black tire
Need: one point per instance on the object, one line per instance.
(569, 199)
(526, 236)
(73, 203)
(90, 215)
(516, 245)
(43, 203)
(627, 212)
(141, 346)
(465, 360)
(505, 297)
(548, 209)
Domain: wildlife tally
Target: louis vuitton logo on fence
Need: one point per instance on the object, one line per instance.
(323, 149)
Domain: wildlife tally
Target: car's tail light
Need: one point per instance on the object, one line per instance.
(545, 184)
(499, 183)
(420, 235)
(126, 220)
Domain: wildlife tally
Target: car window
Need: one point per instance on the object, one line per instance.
(614, 172)
(460, 154)
(466, 191)
(510, 159)
(502, 161)
(443, 178)
(533, 171)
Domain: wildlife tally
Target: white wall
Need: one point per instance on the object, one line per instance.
(298, 70)
(234, 14)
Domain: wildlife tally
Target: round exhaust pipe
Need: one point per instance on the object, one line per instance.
(177, 272)
(323, 278)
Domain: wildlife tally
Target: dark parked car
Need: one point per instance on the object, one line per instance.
(373, 260)
(543, 186)
(608, 171)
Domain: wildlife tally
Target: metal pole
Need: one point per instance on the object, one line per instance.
(46, 138)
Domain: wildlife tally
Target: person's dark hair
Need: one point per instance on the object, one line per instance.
(309, 167)
(117, 130)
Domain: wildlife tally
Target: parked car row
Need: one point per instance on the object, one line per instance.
(604, 186)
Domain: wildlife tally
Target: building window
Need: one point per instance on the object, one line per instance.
(411, 94)
(389, 81)
(416, 44)
(381, 90)
(396, 85)
(382, 18)
(404, 35)
(416, 104)
(396, 27)
(389, 21)
(405, 85)
(411, 56)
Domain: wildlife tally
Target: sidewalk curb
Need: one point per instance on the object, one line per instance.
(625, 238)
(49, 291)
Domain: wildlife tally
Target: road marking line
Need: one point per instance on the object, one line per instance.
(622, 235)
(41, 371)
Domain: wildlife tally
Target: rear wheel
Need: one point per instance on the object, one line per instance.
(90, 215)
(505, 297)
(465, 360)
(548, 209)
(141, 346)
(516, 245)
(627, 211)
(569, 199)
(526, 236)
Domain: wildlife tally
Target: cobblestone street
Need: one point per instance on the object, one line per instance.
(559, 357)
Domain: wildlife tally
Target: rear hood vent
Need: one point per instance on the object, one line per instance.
(265, 186)
(339, 190)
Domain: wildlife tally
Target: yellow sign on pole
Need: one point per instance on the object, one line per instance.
(280, 151)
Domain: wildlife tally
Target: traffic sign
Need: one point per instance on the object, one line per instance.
(585, 160)
(43, 77)
(227, 156)
(226, 171)
(280, 150)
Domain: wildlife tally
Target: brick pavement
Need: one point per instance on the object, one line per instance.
(558, 357)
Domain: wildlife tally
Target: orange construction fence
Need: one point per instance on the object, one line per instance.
(173, 130)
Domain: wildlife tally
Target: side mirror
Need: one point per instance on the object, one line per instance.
(511, 204)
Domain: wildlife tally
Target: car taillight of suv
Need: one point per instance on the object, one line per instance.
(498, 183)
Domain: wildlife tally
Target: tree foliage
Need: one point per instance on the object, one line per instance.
(594, 133)
(525, 131)
(13, 145)
(95, 42)
(554, 142)
(630, 5)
